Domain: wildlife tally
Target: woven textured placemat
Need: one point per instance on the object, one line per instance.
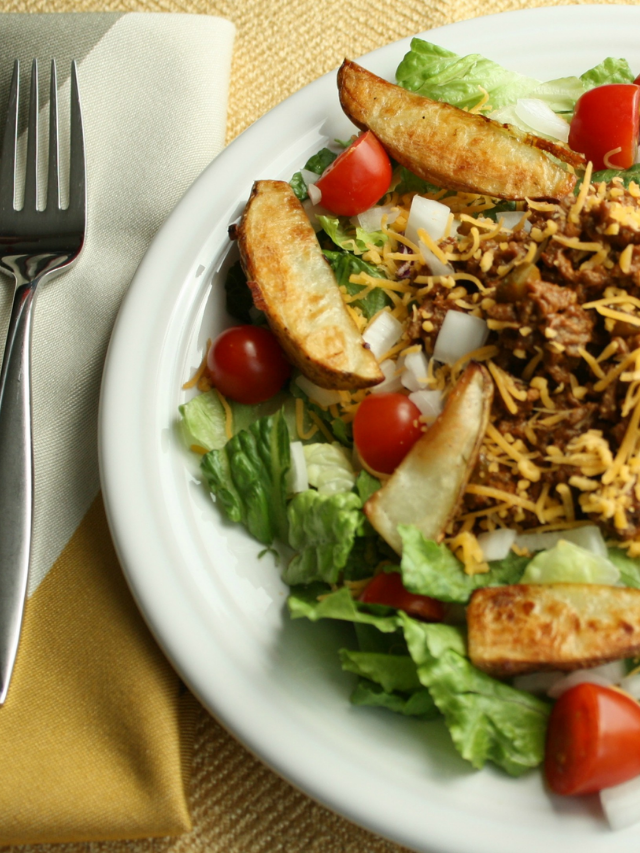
(238, 805)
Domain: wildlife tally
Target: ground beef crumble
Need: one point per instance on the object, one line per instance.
(534, 286)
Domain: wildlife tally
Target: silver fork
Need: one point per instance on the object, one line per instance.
(34, 245)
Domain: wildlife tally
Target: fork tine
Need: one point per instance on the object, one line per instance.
(31, 180)
(53, 181)
(9, 144)
(77, 180)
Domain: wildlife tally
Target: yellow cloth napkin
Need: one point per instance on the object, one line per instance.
(94, 735)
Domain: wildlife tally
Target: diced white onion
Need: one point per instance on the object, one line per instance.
(371, 220)
(588, 537)
(297, 479)
(621, 804)
(436, 266)
(541, 118)
(510, 218)
(416, 367)
(605, 676)
(321, 396)
(428, 214)
(391, 383)
(537, 682)
(429, 402)
(314, 194)
(496, 544)
(382, 333)
(308, 176)
(631, 685)
(460, 334)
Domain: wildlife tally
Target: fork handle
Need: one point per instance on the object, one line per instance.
(16, 478)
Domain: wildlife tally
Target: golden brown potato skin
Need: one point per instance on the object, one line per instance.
(294, 285)
(450, 147)
(538, 627)
(427, 487)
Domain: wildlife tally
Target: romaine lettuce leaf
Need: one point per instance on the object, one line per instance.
(391, 672)
(329, 468)
(346, 237)
(341, 431)
(627, 175)
(366, 485)
(248, 477)
(442, 75)
(316, 601)
(629, 567)
(488, 720)
(344, 265)
(431, 569)
(610, 71)
(203, 422)
(317, 163)
(322, 528)
(204, 418)
(417, 704)
(569, 563)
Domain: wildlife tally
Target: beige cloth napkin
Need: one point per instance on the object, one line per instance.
(94, 739)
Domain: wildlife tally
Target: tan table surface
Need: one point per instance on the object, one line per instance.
(238, 805)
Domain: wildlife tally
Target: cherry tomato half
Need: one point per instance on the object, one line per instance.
(605, 125)
(387, 588)
(593, 740)
(385, 428)
(247, 364)
(357, 178)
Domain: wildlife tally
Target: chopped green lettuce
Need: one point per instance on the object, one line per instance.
(627, 175)
(391, 672)
(203, 422)
(317, 163)
(610, 71)
(316, 601)
(204, 418)
(442, 75)
(431, 569)
(344, 265)
(322, 528)
(248, 477)
(488, 720)
(366, 485)
(341, 431)
(629, 567)
(357, 240)
(407, 182)
(417, 704)
(568, 563)
(329, 468)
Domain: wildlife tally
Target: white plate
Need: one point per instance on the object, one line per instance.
(217, 611)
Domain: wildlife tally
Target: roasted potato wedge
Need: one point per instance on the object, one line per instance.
(450, 147)
(537, 627)
(294, 285)
(427, 486)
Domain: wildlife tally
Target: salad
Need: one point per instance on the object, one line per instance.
(431, 401)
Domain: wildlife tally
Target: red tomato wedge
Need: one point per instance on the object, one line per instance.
(387, 588)
(605, 126)
(385, 428)
(357, 178)
(593, 740)
(247, 364)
